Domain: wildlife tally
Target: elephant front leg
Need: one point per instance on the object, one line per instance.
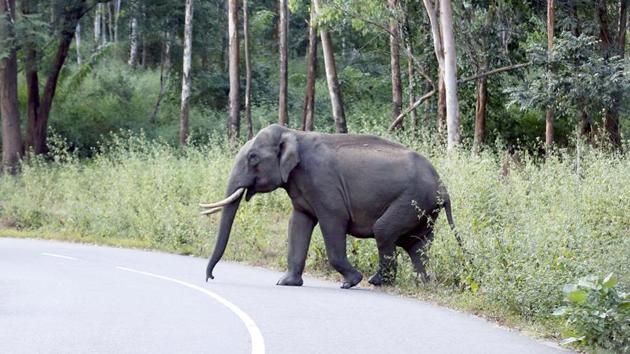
(334, 232)
(300, 230)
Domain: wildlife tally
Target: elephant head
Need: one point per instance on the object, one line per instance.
(262, 165)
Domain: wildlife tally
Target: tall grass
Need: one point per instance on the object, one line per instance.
(526, 233)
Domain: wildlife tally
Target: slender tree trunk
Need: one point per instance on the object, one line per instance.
(611, 119)
(441, 106)
(110, 21)
(394, 48)
(97, 26)
(103, 22)
(234, 60)
(411, 73)
(133, 46)
(549, 113)
(311, 64)
(77, 39)
(283, 117)
(450, 74)
(248, 72)
(39, 129)
(116, 17)
(183, 117)
(11, 136)
(480, 113)
(165, 64)
(436, 34)
(334, 90)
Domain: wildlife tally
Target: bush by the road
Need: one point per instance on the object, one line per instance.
(528, 229)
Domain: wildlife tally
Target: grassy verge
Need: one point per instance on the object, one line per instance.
(530, 232)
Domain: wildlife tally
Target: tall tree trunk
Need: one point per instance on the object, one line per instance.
(334, 90)
(133, 43)
(116, 17)
(480, 113)
(183, 116)
(234, 121)
(394, 48)
(411, 74)
(77, 40)
(103, 24)
(549, 113)
(11, 136)
(165, 65)
(39, 127)
(311, 64)
(97, 26)
(436, 34)
(110, 22)
(441, 105)
(248, 72)
(450, 74)
(283, 117)
(613, 47)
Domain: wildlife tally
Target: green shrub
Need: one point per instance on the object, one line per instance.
(597, 314)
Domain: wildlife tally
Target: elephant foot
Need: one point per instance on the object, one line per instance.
(290, 280)
(354, 280)
(378, 279)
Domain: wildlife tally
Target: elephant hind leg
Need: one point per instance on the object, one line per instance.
(416, 246)
(398, 219)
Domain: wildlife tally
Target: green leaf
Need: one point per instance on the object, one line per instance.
(578, 296)
(610, 281)
(624, 305)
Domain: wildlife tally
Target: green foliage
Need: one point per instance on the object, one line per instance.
(575, 77)
(527, 232)
(597, 314)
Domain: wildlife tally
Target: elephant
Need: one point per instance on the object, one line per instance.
(355, 184)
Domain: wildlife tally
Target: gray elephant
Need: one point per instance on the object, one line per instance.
(360, 185)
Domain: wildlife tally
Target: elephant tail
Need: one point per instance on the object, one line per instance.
(449, 216)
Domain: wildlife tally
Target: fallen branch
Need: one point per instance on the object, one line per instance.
(402, 115)
(494, 71)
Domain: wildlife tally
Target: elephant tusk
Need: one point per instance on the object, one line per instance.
(211, 211)
(225, 201)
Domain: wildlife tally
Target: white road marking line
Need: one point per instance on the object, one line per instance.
(59, 256)
(258, 343)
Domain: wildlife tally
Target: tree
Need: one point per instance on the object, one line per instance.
(133, 42)
(311, 64)
(394, 48)
(549, 112)
(436, 34)
(283, 29)
(11, 136)
(183, 116)
(39, 107)
(248, 72)
(234, 120)
(165, 67)
(613, 47)
(450, 74)
(331, 77)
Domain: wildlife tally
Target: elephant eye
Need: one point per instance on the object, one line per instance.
(253, 159)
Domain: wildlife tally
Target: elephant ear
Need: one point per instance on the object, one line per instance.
(289, 156)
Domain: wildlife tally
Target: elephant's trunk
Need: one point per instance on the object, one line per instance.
(227, 218)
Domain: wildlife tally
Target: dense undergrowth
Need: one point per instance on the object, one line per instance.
(527, 233)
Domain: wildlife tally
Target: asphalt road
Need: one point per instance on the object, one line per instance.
(69, 298)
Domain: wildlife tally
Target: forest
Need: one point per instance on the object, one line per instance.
(135, 108)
